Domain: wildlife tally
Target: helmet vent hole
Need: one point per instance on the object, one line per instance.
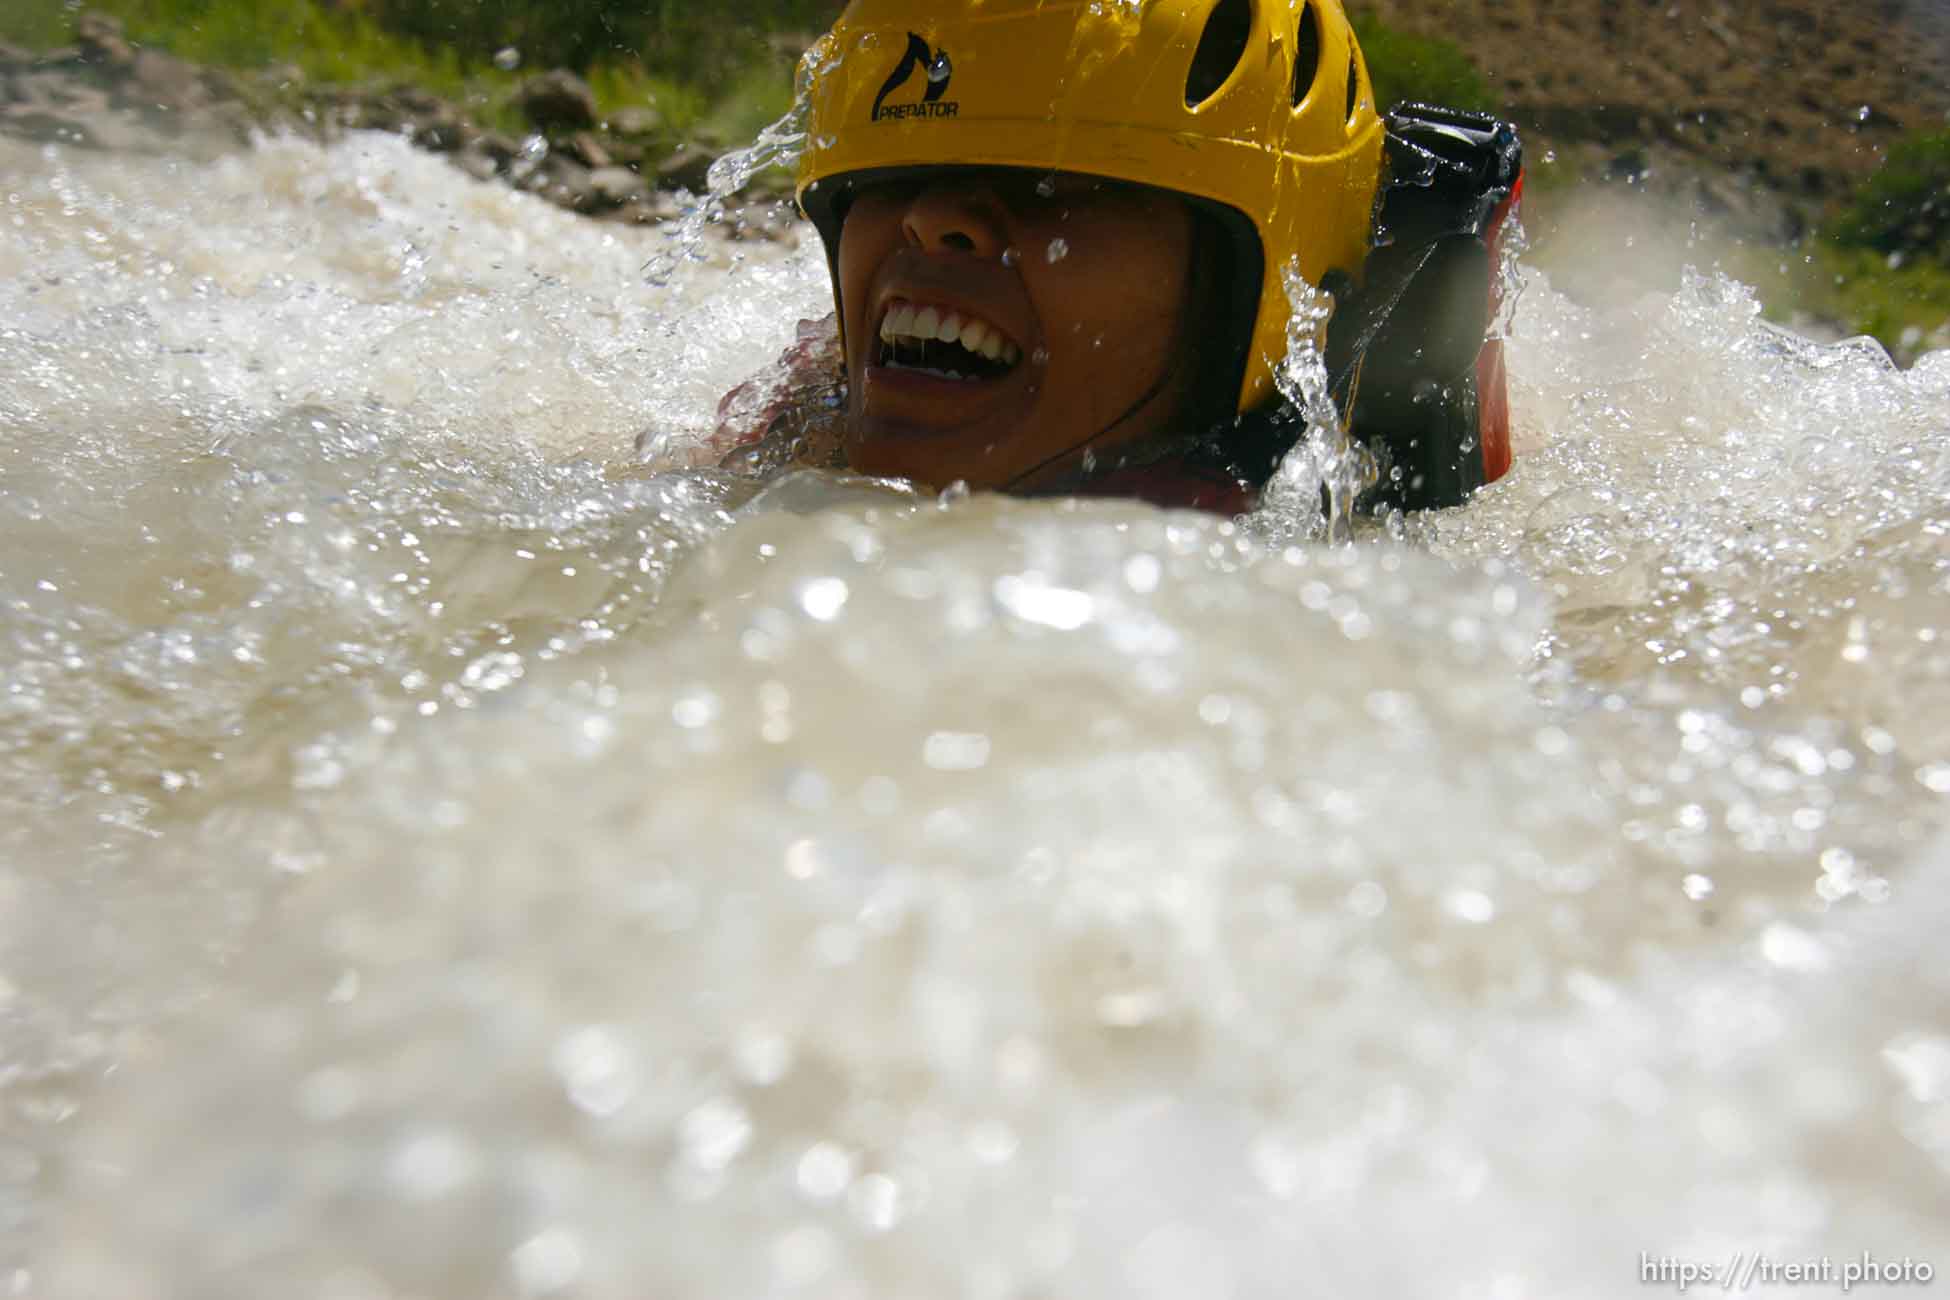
(1220, 49)
(1353, 83)
(1306, 56)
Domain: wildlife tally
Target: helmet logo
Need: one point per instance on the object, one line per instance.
(939, 70)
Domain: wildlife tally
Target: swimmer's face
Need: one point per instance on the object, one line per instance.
(1067, 297)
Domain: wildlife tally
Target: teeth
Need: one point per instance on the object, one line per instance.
(905, 323)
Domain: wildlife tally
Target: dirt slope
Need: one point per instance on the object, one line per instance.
(1800, 97)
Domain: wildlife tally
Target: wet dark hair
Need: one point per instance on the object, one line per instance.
(1211, 322)
(1209, 430)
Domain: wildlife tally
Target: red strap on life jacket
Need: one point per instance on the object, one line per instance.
(1492, 379)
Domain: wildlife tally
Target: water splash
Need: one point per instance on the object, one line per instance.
(1506, 290)
(1327, 467)
(436, 847)
(778, 145)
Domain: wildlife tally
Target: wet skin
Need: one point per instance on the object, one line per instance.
(1098, 329)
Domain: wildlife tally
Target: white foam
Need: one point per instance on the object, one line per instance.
(445, 858)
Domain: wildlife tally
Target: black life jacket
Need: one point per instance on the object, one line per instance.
(1408, 360)
(1428, 390)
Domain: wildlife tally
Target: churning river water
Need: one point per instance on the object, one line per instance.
(446, 856)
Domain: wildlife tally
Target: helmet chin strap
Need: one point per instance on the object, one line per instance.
(1149, 396)
(1157, 389)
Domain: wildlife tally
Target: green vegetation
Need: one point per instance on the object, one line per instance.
(705, 42)
(1428, 69)
(710, 69)
(1898, 302)
(326, 43)
(1889, 302)
(1904, 209)
(1898, 305)
(36, 24)
(1884, 261)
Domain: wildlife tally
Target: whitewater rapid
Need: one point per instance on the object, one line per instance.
(448, 856)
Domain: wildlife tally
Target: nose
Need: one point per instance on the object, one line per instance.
(955, 217)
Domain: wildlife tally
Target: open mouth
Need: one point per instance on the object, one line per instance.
(944, 344)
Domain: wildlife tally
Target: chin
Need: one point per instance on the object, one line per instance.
(934, 459)
(884, 459)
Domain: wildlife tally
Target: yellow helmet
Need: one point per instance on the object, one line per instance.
(1260, 108)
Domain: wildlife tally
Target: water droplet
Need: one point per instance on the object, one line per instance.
(493, 672)
(430, 1165)
(596, 1070)
(1011, 256)
(1033, 600)
(1697, 887)
(1837, 861)
(1793, 949)
(1046, 187)
(825, 1172)
(697, 707)
(1058, 250)
(993, 1142)
(802, 860)
(764, 1056)
(715, 1134)
(823, 598)
(507, 58)
(941, 69)
(1922, 1062)
(878, 1202)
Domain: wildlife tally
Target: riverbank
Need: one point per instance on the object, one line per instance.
(1721, 134)
(105, 92)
